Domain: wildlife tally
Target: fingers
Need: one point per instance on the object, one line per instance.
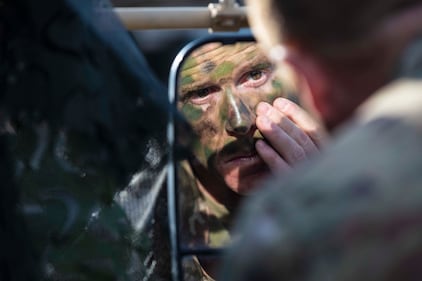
(280, 140)
(292, 135)
(302, 119)
(276, 163)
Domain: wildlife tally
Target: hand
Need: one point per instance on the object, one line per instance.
(291, 133)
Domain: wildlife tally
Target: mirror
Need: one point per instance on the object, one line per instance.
(217, 85)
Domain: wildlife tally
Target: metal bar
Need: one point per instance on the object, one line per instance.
(172, 179)
(135, 18)
(165, 18)
(228, 3)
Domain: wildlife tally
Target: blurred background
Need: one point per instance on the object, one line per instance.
(161, 46)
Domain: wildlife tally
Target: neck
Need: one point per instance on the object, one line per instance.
(225, 198)
(214, 187)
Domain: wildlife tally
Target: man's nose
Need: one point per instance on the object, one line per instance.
(240, 118)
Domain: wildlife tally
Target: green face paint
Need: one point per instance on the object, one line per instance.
(186, 80)
(191, 112)
(223, 113)
(189, 63)
(224, 69)
(277, 85)
(209, 152)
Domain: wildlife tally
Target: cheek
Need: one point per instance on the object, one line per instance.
(277, 88)
(192, 113)
(222, 114)
(204, 143)
(267, 93)
(272, 90)
(207, 129)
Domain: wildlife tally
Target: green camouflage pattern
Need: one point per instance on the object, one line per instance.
(203, 223)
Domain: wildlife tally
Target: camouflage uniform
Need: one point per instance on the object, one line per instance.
(76, 100)
(355, 212)
(203, 222)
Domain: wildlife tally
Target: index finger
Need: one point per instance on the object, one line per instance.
(302, 119)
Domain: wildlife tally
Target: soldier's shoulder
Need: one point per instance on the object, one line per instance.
(398, 100)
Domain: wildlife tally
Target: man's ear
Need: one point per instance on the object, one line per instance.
(311, 79)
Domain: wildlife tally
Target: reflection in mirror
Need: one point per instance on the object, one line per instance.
(194, 268)
(219, 87)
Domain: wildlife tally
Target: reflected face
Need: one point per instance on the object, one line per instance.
(220, 87)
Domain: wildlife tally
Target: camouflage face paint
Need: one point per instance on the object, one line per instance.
(187, 80)
(223, 70)
(191, 113)
(190, 62)
(277, 85)
(220, 86)
(208, 67)
(240, 118)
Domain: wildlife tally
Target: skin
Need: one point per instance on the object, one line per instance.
(232, 98)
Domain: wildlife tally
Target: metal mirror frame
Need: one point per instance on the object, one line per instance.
(177, 250)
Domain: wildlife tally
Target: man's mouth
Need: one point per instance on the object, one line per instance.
(246, 156)
(241, 160)
(242, 170)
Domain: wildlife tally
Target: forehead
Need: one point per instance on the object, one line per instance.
(208, 57)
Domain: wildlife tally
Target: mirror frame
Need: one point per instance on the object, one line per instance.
(178, 252)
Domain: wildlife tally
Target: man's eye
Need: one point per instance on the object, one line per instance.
(254, 78)
(256, 74)
(202, 92)
(201, 96)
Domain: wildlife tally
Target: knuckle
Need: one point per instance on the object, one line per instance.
(298, 154)
(279, 166)
(285, 105)
(273, 159)
(317, 134)
(302, 138)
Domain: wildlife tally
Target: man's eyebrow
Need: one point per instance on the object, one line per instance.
(195, 76)
(188, 84)
(263, 64)
(258, 63)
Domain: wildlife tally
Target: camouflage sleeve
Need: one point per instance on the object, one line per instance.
(352, 214)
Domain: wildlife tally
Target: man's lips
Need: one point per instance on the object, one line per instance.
(241, 170)
(241, 160)
(241, 156)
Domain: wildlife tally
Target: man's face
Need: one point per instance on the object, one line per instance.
(220, 87)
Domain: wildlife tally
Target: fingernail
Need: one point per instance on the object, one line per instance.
(282, 103)
(262, 108)
(259, 144)
(264, 120)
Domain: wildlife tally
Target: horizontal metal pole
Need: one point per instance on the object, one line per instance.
(135, 18)
(161, 18)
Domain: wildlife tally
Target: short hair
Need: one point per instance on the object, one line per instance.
(328, 22)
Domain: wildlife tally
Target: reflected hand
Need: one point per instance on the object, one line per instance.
(290, 132)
